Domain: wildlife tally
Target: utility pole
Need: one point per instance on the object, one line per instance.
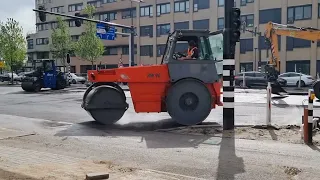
(231, 36)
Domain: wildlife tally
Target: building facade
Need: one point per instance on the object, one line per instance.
(155, 18)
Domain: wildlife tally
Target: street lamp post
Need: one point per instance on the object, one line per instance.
(255, 59)
(131, 45)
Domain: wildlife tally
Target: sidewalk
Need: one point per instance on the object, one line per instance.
(18, 164)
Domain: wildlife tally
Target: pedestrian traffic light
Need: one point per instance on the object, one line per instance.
(68, 58)
(42, 15)
(235, 25)
(77, 21)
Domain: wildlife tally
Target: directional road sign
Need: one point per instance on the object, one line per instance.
(103, 34)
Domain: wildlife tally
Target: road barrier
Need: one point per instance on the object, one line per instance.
(268, 113)
(307, 124)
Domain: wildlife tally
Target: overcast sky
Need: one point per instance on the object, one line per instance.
(20, 10)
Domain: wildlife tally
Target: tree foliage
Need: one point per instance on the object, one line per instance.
(13, 45)
(89, 47)
(61, 42)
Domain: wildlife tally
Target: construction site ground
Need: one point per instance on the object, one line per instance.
(48, 136)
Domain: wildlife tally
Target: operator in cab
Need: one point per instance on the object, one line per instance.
(193, 52)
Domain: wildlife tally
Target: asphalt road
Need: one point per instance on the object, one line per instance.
(131, 145)
(250, 107)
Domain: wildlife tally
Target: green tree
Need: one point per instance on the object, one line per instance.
(89, 47)
(61, 42)
(13, 45)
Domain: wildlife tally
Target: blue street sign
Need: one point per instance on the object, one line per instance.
(102, 34)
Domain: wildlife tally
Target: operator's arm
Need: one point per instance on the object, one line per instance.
(195, 54)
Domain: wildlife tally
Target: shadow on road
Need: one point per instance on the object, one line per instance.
(273, 134)
(315, 148)
(145, 130)
(229, 163)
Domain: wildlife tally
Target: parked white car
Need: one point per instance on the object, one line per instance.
(293, 78)
(76, 79)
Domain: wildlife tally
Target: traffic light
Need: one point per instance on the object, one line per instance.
(235, 25)
(42, 15)
(68, 58)
(77, 21)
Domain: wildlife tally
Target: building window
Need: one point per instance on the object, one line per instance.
(94, 3)
(42, 41)
(163, 29)
(163, 9)
(108, 1)
(201, 24)
(54, 25)
(220, 3)
(72, 23)
(30, 43)
(246, 45)
(245, 2)
(146, 11)
(146, 50)
(319, 8)
(273, 15)
(160, 49)
(302, 66)
(299, 13)
(128, 13)
(249, 19)
(181, 6)
(75, 7)
(146, 31)
(75, 37)
(125, 50)
(181, 25)
(244, 67)
(58, 9)
(200, 4)
(125, 30)
(220, 23)
(42, 27)
(43, 55)
(108, 16)
(110, 51)
(297, 43)
(263, 44)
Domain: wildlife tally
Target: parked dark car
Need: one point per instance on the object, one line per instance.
(255, 79)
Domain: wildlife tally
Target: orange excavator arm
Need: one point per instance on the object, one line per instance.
(274, 29)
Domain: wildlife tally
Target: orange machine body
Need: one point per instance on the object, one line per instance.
(148, 85)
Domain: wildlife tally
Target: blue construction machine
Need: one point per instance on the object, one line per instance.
(43, 75)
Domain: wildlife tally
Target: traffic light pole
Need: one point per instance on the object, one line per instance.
(42, 13)
(228, 68)
(131, 63)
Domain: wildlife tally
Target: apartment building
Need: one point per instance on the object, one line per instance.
(155, 18)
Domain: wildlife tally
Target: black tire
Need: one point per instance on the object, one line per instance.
(61, 83)
(37, 87)
(197, 94)
(74, 81)
(302, 84)
(316, 89)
